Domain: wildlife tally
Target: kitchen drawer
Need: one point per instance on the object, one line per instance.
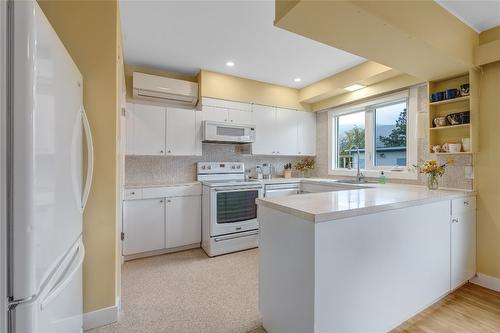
(317, 188)
(463, 204)
(171, 191)
(132, 194)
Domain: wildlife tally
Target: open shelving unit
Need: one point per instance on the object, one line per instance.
(453, 133)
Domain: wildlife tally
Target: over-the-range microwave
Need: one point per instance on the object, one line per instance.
(224, 132)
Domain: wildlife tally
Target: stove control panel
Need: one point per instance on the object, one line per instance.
(220, 167)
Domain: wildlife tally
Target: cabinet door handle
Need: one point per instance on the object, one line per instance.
(133, 193)
(169, 151)
(161, 151)
(454, 220)
(169, 200)
(161, 201)
(466, 203)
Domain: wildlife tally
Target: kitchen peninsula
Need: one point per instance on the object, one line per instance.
(364, 259)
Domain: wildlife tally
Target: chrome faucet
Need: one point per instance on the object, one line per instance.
(359, 175)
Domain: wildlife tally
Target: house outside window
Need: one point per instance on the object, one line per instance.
(383, 130)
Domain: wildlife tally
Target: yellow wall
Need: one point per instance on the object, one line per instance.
(335, 84)
(88, 29)
(217, 85)
(396, 83)
(488, 166)
(489, 47)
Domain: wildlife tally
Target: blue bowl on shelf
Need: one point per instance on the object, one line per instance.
(451, 93)
(437, 96)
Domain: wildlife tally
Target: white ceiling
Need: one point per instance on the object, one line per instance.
(479, 15)
(186, 36)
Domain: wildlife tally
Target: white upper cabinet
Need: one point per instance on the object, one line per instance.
(145, 129)
(182, 132)
(129, 129)
(286, 132)
(281, 131)
(156, 130)
(227, 111)
(240, 117)
(213, 113)
(265, 122)
(306, 133)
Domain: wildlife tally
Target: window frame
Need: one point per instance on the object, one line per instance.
(369, 106)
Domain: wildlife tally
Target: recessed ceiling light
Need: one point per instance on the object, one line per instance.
(230, 64)
(297, 79)
(354, 87)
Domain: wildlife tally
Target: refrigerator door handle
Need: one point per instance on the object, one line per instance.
(77, 263)
(90, 158)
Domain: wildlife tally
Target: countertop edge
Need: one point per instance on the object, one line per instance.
(337, 215)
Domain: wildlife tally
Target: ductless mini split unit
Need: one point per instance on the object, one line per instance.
(164, 90)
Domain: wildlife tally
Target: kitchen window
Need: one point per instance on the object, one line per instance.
(383, 130)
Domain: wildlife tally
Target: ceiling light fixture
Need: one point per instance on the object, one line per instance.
(230, 64)
(354, 87)
(297, 79)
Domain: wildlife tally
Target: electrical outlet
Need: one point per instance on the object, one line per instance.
(469, 172)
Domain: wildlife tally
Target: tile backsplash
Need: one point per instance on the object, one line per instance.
(178, 169)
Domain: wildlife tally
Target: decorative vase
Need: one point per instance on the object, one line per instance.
(432, 182)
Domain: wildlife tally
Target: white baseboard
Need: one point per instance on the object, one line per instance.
(486, 281)
(101, 317)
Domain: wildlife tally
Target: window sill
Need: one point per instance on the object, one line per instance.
(374, 173)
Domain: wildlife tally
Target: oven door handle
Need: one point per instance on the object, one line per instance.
(238, 189)
(233, 236)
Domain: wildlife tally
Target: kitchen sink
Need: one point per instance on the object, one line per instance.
(351, 181)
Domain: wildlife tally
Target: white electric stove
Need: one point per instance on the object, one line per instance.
(229, 212)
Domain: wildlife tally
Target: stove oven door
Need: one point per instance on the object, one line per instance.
(233, 209)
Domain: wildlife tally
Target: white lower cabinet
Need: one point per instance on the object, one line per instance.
(143, 225)
(183, 223)
(161, 224)
(463, 241)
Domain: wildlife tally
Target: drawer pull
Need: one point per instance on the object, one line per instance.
(132, 193)
(466, 203)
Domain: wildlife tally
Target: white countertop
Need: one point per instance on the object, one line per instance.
(277, 180)
(159, 184)
(327, 206)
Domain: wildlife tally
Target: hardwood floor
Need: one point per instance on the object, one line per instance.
(470, 309)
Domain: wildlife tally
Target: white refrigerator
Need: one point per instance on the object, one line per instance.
(47, 190)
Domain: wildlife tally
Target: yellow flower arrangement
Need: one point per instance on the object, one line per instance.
(432, 167)
(305, 164)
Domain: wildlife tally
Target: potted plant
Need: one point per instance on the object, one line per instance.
(305, 165)
(433, 170)
(288, 170)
